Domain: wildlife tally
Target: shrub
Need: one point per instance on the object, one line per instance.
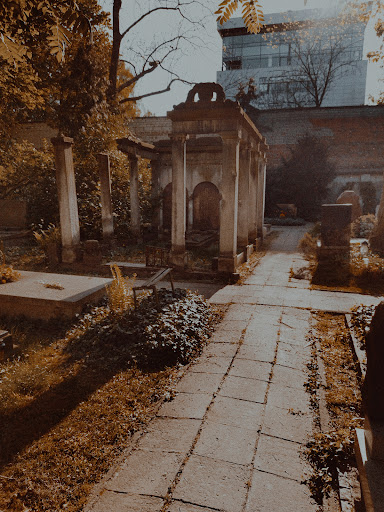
(363, 226)
(308, 246)
(154, 335)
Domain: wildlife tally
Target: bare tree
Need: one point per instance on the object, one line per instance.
(143, 58)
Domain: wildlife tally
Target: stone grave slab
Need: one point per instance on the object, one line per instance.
(31, 297)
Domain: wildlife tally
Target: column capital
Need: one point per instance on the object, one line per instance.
(179, 137)
(234, 136)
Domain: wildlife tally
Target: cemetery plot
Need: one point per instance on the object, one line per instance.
(43, 296)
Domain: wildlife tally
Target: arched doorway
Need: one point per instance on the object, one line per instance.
(206, 207)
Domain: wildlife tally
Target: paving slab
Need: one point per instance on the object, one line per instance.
(243, 388)
(194, 382)
(186, 405)
(237, 413)
(293, 424)
(293, 356)
(170, 435)
(226, 442)
(281, 458)
(250, 369)
(288, 398)
(112, 501)
(179, 506)
(145, 472)
(271, 493)
(213, 483)
(211, 364)
(220, 349)
(290, 377)
(257, 352)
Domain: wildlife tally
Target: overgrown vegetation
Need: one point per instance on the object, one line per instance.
(71, 398)
(302, 179)
(332, 450)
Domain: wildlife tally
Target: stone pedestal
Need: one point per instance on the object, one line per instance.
(69, 217)
(178, 255)
(229, 203)
(106, 196)
(134, 195)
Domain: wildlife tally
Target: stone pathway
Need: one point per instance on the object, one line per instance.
(231, 439)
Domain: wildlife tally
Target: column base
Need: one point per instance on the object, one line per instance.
(70, 254)
(227, 265)
(178, 259)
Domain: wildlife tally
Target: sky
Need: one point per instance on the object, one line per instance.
(200, 55)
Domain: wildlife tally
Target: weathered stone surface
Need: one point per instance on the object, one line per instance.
(257, 352)
(206, 364)
(112, 501)
(199, 383)
(291, 424)
(242, 388)
(186, 405)
(220, 349)
(350, 197)
(179, 506)
(280, 457)
(170, 435)
(211, 483)
(145, 472)
(226, 442)
(250, 369)
(336, 225)
(30, 297)
(293, 356)
(238, 413)
(287, 397)
(271, 493)
(290, 377)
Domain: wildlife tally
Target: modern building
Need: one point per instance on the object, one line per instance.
(299, 59)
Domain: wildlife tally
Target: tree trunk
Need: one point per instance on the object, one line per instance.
(115, 55)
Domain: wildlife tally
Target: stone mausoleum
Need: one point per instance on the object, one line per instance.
(209, 172)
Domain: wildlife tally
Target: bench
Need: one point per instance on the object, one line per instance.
(151, 283)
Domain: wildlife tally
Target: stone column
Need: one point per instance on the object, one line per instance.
(155, 194)
(190, 213)
(253, 190)
(66, 187)
(105, 193)
(134, 195)
(229, 203)
(261, 195)
(179, 145)
(244, 209)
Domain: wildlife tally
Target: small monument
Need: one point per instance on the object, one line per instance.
(369, 445)
(335, 233)
(350, 197)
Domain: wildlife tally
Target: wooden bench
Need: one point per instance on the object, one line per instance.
(151, 283)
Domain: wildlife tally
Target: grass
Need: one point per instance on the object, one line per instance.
(331, 451)
(69, 403)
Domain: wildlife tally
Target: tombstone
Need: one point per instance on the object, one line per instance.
(350, 197)
(369, 442)
(92, 253)
(336, 226)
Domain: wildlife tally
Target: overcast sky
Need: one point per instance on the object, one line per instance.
(200, 61)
